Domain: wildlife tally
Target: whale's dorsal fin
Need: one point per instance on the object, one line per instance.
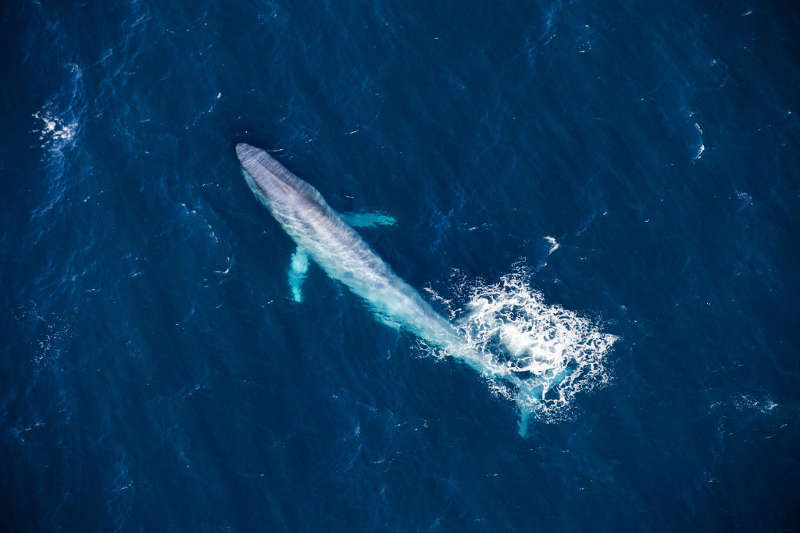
(298, 268)
(367, 220)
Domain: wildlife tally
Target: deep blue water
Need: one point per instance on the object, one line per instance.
(156, 376)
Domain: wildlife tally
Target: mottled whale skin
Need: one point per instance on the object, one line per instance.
(323, 236)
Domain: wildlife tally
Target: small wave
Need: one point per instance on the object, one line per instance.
(555, 352)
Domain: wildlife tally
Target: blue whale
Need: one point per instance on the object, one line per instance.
(323, 236)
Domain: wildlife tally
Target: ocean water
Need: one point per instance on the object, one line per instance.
(604, 192)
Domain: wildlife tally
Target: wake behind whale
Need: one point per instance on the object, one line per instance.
(324, 236)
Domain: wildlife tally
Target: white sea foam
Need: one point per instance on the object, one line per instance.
(54, 132)
(555, 352)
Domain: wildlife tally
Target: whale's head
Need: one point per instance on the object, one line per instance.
(269, 178)
(286, 195)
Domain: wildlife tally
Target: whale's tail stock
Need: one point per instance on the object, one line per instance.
(529, 398)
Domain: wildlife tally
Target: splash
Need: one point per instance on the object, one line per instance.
(556, 353)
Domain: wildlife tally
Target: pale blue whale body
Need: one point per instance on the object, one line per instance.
(322, 235)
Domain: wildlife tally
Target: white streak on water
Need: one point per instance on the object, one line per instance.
(702, 147)
(700, 151)
(698, 128)
(553, 244)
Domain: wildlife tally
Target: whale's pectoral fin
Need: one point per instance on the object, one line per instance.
(298, 269)
(367, 220)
